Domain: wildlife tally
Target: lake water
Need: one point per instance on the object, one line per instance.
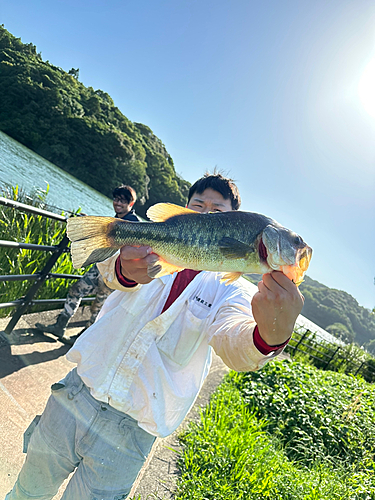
(19, 165)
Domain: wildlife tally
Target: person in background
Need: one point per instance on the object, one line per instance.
(91, 282)
(141, 365)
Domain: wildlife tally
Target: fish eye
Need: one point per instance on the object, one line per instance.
(298, 240)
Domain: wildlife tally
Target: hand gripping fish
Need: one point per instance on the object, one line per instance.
(233, 243)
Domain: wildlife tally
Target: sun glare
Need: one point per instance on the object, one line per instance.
(366, 88)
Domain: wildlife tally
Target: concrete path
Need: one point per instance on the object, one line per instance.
(29, 364)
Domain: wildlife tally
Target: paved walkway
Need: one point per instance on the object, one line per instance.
(29, 363)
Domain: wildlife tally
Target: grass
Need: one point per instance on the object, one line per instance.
(27, 228)
(241, 449)
(315, 414)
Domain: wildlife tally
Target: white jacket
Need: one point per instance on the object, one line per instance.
(152, 365)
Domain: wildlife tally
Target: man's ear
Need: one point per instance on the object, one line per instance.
(131, 204)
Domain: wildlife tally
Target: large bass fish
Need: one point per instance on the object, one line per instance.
(229, 242)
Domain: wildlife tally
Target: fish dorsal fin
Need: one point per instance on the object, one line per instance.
(233, 249)
(163, 211)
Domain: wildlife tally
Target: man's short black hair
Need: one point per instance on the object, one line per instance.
(223, 185)
(125, 192)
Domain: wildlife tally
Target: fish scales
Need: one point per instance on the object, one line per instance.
(231, 242)
(194, 240)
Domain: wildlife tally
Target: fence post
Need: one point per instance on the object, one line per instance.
(360, 367)
(331, 358)
(307, 332)
(37, 284)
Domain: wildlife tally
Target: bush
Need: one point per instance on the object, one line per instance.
(239, 450)
(315, 414)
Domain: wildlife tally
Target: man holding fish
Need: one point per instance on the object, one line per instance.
(141, 365)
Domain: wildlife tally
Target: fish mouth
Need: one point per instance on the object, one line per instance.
(304, 258)
(297, 272)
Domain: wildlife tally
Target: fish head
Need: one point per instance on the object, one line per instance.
(285, 251)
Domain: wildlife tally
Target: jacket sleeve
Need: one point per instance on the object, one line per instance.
(231, 335)
(107, 269)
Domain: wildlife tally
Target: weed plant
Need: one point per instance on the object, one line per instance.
(27, 228)
(288, 432)
(314, 413)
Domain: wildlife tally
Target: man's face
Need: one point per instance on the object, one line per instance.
(209, 201)
(121, 206)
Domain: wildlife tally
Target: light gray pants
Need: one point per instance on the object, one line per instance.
(105, 447)
(90, 283)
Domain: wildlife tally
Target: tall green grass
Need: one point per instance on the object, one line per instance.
(20, 226)
(286, 432)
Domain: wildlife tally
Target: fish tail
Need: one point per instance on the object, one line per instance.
(91, 239)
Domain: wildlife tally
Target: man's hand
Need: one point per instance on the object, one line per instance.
(275, 307)
(134, 263)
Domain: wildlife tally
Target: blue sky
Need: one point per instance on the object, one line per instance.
(266, 91)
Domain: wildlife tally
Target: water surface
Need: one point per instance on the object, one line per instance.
(19, 165)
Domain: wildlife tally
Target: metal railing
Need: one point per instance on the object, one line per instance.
(325, 354)
(22, 304)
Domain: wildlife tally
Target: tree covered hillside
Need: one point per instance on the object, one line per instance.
(80, 129)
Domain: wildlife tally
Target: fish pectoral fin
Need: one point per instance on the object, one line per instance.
(230, 278)
(153, 270)
(162, 268)
(234, 249)
(163, 211)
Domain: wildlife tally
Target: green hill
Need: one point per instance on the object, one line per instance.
(336, 311)
(80, 129)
